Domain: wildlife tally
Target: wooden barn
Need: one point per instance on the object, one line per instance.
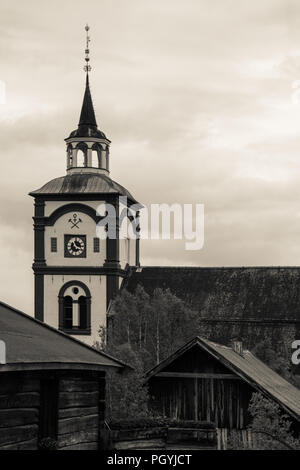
(205, 381)
(52, 387)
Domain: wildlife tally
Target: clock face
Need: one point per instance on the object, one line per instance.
(75, 246)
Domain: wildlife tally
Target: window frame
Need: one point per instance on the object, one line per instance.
(96, 245)
(53, 244)
(61, 310)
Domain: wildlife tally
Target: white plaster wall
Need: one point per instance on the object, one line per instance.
(61, 227)
(97, 287)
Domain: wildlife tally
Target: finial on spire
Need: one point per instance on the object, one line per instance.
(87, 68)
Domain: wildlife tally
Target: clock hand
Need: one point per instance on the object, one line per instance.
(73, 246)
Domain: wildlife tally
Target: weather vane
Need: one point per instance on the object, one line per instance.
(87, 67)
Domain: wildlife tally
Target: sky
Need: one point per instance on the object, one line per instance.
(200, 98)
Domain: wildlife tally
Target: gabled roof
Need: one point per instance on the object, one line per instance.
(33, 345)
(248, 367)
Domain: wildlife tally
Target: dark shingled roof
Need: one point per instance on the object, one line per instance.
(33, 345)
(241, 293)
(87, 115)
(87, 126)
(248, 367)
(83, 183)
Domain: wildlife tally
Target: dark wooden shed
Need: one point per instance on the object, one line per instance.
(205, 381)
(52, 386)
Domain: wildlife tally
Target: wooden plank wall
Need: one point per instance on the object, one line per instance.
(19, 412)
(229, 438)
(81, 410)
(222, 402)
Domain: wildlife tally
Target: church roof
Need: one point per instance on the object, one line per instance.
(248, 367)
(241, 293)
(83, 183)
(33, 345)
(87, 126)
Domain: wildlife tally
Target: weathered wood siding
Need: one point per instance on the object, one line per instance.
(19, 411)
(81, 408)
(235, 439)
(222, 401)
(80, 412)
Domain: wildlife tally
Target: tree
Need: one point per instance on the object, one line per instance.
(127, 397)
(142, 330)
(153, 326)
(280, 364)
(271, 428)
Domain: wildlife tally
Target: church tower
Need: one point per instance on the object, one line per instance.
(77, 274)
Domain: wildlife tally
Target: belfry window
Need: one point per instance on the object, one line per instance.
(82, 150)
(96, 155)
(75, 308)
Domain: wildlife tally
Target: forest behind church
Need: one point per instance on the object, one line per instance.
(145, 329)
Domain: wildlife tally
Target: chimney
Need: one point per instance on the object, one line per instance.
(237, 346)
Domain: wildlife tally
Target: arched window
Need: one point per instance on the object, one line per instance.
(82, 301)
(82, 154)
(68, 312)
(95, 159)
(75, 308)
(96, 155)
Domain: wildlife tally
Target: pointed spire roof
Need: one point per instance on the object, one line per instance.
(87, 115)
(87, 126)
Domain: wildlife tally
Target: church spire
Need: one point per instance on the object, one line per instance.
(87, 146)
(87, 116)
(87, 126)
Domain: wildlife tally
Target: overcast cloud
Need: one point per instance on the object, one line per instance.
(197, 98)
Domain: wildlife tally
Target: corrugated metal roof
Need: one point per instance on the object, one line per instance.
(31, 344)
(84, 183)
(246, 366)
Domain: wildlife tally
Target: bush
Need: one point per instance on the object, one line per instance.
(270, 425)
(146, 423)
(47, 443)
